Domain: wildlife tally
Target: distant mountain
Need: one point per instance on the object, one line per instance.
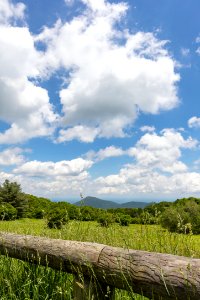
(97, 203)
(134, 204)
(105, 204)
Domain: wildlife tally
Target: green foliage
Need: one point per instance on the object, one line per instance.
(183, 217)
(37, 207)
(123, 220)
(7, 212)
(106, 219)
(10, 192)
(57, 217)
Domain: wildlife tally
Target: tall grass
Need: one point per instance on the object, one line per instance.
(19, 280)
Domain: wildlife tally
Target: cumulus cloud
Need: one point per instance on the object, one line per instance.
(62, 168)
(157, 167)
(134, 180)
(107, 152)
(109, 80)
(162, 151)
(112, 75)
(12, 156)
(194, 122)
(82, 133)
(24, 105)
(53, 179)
(10, 11)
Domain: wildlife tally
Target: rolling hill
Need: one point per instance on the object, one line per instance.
(106, 204)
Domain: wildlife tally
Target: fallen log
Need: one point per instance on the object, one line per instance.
(154, 275)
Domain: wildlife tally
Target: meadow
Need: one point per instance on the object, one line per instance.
(19, 280)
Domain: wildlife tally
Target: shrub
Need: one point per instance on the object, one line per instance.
(39, 214)
(182, 218)
(106, 219)
(123, 220)
(7, 212)
(56, 218)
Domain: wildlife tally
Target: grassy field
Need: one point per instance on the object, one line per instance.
(19, 280)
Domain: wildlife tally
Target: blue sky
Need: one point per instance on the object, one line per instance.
(101, 98)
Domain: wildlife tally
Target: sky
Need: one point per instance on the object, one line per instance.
(101, 98)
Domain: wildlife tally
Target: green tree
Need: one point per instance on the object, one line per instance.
(183, 217)
(123, 220)
(106, 219)
(10, 192)
(57, 217)
(7, 212)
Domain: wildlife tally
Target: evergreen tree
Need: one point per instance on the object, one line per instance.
(11, 192)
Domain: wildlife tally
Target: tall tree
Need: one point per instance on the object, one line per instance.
(11, 192)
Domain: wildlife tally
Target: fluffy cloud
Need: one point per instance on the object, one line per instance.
(83, 133)
(62, 168)
(162, 151)
(194, 122)
(134, 180)
(11, 156)
(110, 80)
(107, 152)
(157, 168)
(10, 11)
(53, 179)
(112, 75)
(25, 106)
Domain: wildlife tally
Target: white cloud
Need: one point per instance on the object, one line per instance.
(194, 122)
(109, 80)
(51, 169)
(107, 152)
(162, 151)
(12, 156)
(134, 180)
(157, 169)
(198, 41)
(147, 128)
(83, 133)
(10, 11)
(24, 105)
(185, 52)
(53, 179)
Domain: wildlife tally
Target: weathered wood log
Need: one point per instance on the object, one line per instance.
(155, 275)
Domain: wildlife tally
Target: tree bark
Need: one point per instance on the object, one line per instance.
(155, 275)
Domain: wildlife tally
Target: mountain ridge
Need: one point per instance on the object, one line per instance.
(106, 204)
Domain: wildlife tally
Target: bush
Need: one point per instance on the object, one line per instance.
(56, 218)
(7, 212)
(39, 214)
(106, 219)
(123, 220)
(182, 218)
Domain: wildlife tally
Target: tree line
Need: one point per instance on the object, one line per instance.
(182, 215)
